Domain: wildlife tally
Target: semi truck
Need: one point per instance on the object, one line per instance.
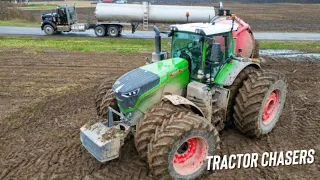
(112, 17)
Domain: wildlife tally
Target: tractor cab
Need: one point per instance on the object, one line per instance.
(205, 46)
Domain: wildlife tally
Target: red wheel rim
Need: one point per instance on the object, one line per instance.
(271, 107)
(190, 156)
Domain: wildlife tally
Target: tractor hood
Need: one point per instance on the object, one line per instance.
(142, 81)
(132, 85)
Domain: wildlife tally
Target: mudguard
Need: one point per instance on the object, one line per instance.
(179, 100)
(231, 70)
(45, 22)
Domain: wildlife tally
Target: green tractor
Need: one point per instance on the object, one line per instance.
(176, 107)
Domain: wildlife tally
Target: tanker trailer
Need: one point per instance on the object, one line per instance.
(245, 43)
(112, 17)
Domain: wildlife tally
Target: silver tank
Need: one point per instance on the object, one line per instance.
(154, 13)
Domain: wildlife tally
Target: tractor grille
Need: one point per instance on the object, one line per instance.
(132, 85)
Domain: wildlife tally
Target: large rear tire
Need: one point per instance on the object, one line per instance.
(153, 118)
(260, 102)
(180, 147)
(234, 90)
(105, 97)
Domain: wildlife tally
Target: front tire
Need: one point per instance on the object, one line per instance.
(260, 102)
(48, 29)
(105, 97)
(153, 118)
(180, 147)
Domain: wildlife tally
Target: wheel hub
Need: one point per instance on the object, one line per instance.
(271, 107)
(48, 29)
(113, 31)
(190, 156)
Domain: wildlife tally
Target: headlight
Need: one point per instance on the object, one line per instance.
(131, 93)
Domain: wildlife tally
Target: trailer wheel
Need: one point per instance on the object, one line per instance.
(256, 53)
(48, 29)
(100, 31)
(260, 102)
(113, 31)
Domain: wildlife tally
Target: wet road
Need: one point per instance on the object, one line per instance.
(33, 31)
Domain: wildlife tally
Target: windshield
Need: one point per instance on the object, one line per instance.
(190, 47)
(205, 54)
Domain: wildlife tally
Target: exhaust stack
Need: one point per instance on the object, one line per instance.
(158, 55)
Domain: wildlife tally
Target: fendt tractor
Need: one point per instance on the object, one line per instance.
(176, 107)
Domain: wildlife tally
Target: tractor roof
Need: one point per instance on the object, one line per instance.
(204, 28)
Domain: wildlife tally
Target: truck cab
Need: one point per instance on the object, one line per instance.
(63, 20)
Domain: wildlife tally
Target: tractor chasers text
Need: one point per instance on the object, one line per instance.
(251, 160)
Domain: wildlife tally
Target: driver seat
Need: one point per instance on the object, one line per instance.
(216, 55)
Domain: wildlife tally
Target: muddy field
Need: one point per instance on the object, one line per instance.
(46, 96)
(284, 17)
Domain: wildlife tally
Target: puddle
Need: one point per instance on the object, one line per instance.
(289, 53)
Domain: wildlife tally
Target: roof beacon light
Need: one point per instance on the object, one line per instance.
(233, 18)
(187, 14)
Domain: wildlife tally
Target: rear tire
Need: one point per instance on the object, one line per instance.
(48, 29)
(260, 102)
(100, 31)
(180, 142)
(105, 97)
(113, 31)
(153, 118)
(234, 90)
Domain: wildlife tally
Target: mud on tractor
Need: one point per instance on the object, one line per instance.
(176, 107)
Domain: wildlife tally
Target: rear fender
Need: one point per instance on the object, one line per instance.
(237, 70)
(231, 70)
(179, 100)
(45, 22)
